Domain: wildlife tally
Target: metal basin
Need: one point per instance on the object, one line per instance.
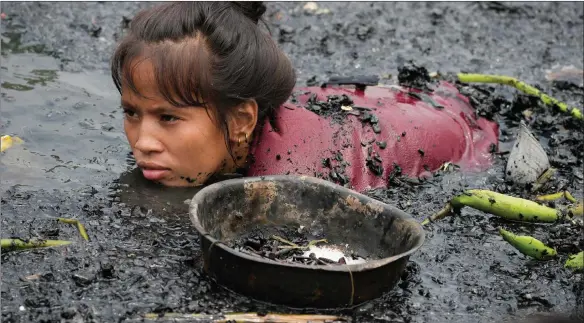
(226, 210)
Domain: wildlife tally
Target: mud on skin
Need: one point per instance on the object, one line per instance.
(144, 254)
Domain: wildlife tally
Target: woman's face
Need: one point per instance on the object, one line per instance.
(172, 146)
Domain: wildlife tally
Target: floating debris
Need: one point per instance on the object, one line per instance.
(528, 246)
(312, 8)
(576, 211)
(527, 160)
(16, 243)
(575, 261)
(77, 223)
(569, 74)
(521, 86)
(9, 141)
(557, 196)
(543, 179)
(504, 206)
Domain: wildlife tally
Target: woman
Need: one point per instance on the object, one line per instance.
(206, 92)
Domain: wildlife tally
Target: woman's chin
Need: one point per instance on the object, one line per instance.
(177, 181)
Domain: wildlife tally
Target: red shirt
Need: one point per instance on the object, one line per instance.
(416, 131)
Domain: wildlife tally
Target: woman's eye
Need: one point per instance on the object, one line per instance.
(168, 118)
(129, 113)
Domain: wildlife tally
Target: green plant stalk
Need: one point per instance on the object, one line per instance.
(79, 225)
(543, 178)
(528, 246)
(292, 245)
(557, 196)
(521, 86)
(446, 210)
(82, 231)
(32, 243)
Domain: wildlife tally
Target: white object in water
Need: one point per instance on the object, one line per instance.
(527, 160)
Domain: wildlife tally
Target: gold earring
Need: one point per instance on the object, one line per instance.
(245, 136)
(239, 141)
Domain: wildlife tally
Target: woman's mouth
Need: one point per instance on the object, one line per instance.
(153, 172)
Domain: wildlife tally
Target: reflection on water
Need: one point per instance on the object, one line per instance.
(70, 124)
(135, 190)
(40, 77)
(11, 43)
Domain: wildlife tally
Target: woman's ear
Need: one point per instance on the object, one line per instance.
(243, 121)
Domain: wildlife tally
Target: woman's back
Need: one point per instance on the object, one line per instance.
(362, 139)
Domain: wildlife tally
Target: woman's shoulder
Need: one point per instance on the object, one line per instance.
(292, 143)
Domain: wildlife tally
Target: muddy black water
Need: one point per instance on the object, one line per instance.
(143, 255)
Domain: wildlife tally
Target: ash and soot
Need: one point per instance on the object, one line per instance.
(143, 255)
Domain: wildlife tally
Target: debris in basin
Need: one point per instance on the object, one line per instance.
(290, 244)
(333, 254)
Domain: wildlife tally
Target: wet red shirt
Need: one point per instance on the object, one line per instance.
(367, 140)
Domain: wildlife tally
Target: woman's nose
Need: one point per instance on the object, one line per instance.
(147, 142)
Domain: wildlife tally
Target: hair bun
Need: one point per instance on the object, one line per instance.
(254, 10)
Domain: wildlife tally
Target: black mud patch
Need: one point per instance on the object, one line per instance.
(413, 76)
(335, 107)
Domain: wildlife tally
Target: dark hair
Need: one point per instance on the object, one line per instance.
(208, 52)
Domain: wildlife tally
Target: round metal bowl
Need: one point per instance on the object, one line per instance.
(224, 211)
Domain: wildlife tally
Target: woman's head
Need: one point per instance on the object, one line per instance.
(197, 79)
